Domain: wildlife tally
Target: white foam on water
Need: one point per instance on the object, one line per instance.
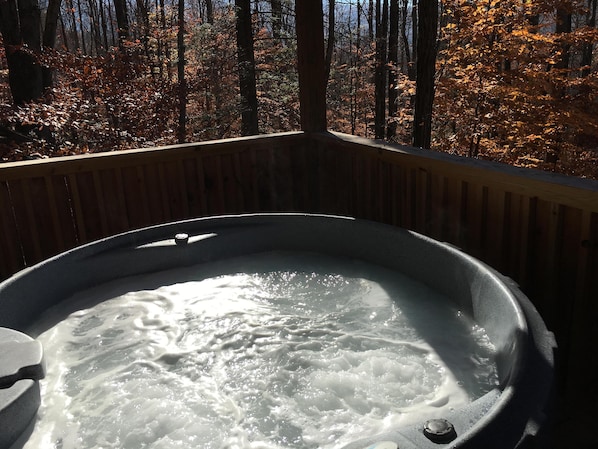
(277, 350)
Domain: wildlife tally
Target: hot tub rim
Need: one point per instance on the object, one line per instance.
(135, 238)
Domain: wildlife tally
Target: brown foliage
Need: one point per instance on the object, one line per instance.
(500, 91)
(501, 97)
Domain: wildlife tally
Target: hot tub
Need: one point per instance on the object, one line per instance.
(512, 414)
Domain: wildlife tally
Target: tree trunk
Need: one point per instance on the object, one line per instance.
(104, 25)
(414, 38)
(563, 26)
(330, 43)
(143, 17)
(393, 53)
(19, 25)
(71, 9)
(113, 34)
(426, 69)
(371, 20)
(246, 64)
(94, 17)
(311, 64)
(406, 46)
(380, 83)
(210, 11)
(65, 40)
(276, 8)
(49, 37)
(588, 47)
(80, 11)
(182, 132)
(122, 21)
(354, 79)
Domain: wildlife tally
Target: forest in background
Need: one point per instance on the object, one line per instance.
(514, 81)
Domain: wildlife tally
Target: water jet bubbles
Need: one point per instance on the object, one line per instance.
(257, 357)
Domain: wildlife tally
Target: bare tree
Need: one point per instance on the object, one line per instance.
(122, 20)
(563, 26)
(181, 74)
(414, 36)
(371, 20)
(210, 11)
(276, 20)
(20, 24)
(588, 47)
(393, 54)
(81, 24)
(406, 47)
(380, 83)
(73, 23)
(330, 43)
(246, 64)
(426, 70)
(49, 37)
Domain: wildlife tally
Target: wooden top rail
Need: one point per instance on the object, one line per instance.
(553, 187)
(126, 158)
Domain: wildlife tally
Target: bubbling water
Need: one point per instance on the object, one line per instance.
(277, 350)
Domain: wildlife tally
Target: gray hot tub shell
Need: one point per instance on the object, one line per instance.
(513, 415)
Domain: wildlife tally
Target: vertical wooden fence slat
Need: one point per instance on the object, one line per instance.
(436, 215)
(123, 217)
(383, 196)
(213, 183)
(227, 175)
(242, 188)
(284, 184)
(301, 179)
(395, 195)
(25, 221)
(179, 171)
(11, 253)
(77, 209)
(455, 209)
(515, 235)
(357, 184)
(495, 227)
(62, 205)
(407, 198)
(330, 184)
(39, 214)
(475, 219)
(423, 204)
(192, 187)
(255, 199)
(143, 196)
(130, 195)
(163, 192)
(567, 269)
(58, 231)
(157, 203)
(201, 187)
(367, 199)
(171, 184)
(521, 265)
(581, 362)
(100, 201)
(546, 245)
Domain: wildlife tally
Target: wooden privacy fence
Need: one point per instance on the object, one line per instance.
(540, 229)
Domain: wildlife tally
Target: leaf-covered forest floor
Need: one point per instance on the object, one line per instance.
(91, 111)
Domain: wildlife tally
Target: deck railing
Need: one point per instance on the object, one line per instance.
(538, 228)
